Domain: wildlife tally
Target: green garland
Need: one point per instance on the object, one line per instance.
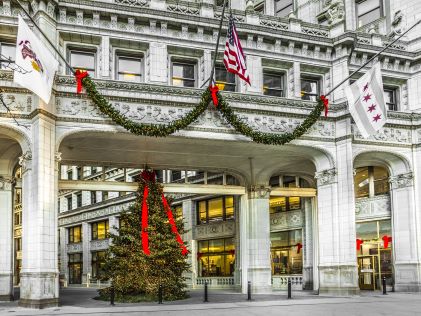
(158, 130)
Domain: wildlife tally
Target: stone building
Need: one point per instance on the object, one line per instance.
(332, 211)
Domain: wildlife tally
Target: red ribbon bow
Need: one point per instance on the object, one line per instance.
(325, 103)
(299, 246)
(79, 75)
(214, 92)
(359, 243)
(386, 241)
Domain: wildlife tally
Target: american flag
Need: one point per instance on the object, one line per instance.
(234, 59)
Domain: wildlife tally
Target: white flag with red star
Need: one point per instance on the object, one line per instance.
(366, 102)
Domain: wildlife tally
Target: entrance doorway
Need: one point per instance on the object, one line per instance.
(75, 268)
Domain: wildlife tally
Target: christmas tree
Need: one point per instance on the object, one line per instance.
(147, 249)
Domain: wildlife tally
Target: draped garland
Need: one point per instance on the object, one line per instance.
(163, 130)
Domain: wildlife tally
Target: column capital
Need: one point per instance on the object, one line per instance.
(401, 180)
(6, 183)
(326, 177)
(26, 161)
(259, 192)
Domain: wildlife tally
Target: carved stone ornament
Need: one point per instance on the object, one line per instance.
(6, 183)
(401, 180)
(259, 192)
(326, 177)
(333, 11)
(397, 25)
(25, 161)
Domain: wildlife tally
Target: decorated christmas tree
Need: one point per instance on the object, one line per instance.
(147, 250)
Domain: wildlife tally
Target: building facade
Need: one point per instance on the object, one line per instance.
(331, 211)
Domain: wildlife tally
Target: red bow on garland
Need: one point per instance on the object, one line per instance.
(214, 92)
(359, 243)
(150, 176)
(325, 103)
(79, 75)
(299, 247)
(386, 241)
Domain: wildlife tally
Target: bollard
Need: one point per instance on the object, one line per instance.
(248, 291)
(112, 295)
(160, 294)
(384, 285)
(289, 288)
(206, 292)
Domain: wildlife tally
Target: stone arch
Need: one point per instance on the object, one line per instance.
(395, 163)
(17, 142)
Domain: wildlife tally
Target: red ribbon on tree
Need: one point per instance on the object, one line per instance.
(299, 247)
(386, 240)
(144, 234)
(79, 75)
(183, 247)
(325, 103)
(359, 243)
(214, 90)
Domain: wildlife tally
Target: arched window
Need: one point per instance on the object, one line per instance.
(371, 181)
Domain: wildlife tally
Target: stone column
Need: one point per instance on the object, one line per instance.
(86, 251)
(404, 235)
(308, 244)
(158, 63)
(39, 276)
(189, 242)
(340, 71)
(254, 65)
(6, 239)
(295, 81)
(64, 271)
(338, 273)
(257, 240)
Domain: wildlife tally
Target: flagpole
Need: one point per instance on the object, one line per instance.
(372, 58)
(45, 36)
(217, 46)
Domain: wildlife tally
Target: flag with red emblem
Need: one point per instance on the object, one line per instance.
(366, 102)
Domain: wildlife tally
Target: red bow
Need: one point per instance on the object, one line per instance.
(299, 246)
(231, 252)
(359, 243)
(79, 75)
(144, 233)
(325, 103)
(214, 90)
(386, 241)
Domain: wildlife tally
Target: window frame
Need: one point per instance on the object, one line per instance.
(357, 14)
(289, 249)
(395, 93)
(94, 232)
(12, 59)
(371, 181)
(79, 199)
(292, 5)
(235, 84)
(133, 56)
(184, 61)
(224, 253)
(69, 198)
(224, 209)
(96, 264)
(83, 51)
(318, 79)
(71, 234)
(273, 72)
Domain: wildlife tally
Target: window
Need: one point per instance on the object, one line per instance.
(368, 11)
(83, 60)
(183, 74)
(178, 211)
(70, 174)
(286, 252)
(391, 99)
(129, 68)
(94, 170)
(93, 197)
(75, 234)
(310, 89)
(7, 51)
(216, 257)
(259, 6)
(220, 3)
(104, 195)
(100, 230)
(224, 79)
(75, 268)
(283, 7)
(213, 210)
(98, 263)
(69, 202)
(79, 175)
(79, 199)
(273, 84)
(370, 181)
(284, 204)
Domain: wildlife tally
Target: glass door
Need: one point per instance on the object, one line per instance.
(75, 273)
(367, 272)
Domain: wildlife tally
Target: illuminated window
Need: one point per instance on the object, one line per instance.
(183, 74)
(98, 263)
(310, 88)
(178, 211)
(287, 252)
(371, 181)
(100, 230)
(75, 268)
(216, 209)
(75, 234)
(129, 68)
(224, 79)
(368, 11)
(7, 51)
(216, 257)
(273, 84)
(83, 60)
(283, 204)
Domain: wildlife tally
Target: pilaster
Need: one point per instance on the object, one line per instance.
(158, 63)
(6, 239)
(254, 65)
(188, 240)
(86, 255)
(308, 245)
